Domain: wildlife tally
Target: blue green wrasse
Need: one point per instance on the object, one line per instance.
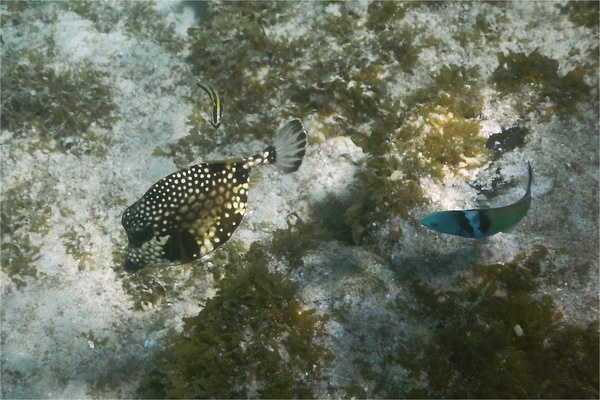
(482, 222)
(217, 112)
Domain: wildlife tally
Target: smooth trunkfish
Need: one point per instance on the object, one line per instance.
(192, 212)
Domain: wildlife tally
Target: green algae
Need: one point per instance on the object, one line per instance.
(53, 109)
(23, 216)
(251, 70)
(18, 261)
(331, 216)
(75, 245)
(382, 14)
(15, 8)
(455, 88)
(273, 69)
(28, 214)
(153, 287)
(498, 338)
(582, 13)
(139, 19)
(433, 129)
(294, 242)
(480, 29)
(536, 76)
(448, 108)
(146, 23)
(183, 152)
(148, 290)
(438, 130)
(253, 339)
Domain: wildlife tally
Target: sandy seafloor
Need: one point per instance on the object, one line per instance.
(71, 329)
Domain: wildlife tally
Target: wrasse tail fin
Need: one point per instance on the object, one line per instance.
(289, 147)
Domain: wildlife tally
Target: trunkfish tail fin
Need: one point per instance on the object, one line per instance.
(194, 211)
(289, 147)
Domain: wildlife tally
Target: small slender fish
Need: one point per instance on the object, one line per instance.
(192, 212)
(482, 222)
(217, 112)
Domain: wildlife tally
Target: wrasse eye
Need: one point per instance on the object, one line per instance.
(478, 223)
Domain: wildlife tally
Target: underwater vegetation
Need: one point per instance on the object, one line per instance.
(154, 287)
(253, 339)
(267, 58)
(428, 132)
(494, 334)
(255, 54)
(537, 76)
(138, 19)
(18, 261)
(437, 131)
(583, 13)
(45, 109)
(57, 108)
(498, 338)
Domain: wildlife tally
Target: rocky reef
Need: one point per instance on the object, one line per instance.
(330, 287)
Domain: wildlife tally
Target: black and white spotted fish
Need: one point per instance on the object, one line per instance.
(191, 212)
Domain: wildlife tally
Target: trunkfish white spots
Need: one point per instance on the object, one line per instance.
(191, 212)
